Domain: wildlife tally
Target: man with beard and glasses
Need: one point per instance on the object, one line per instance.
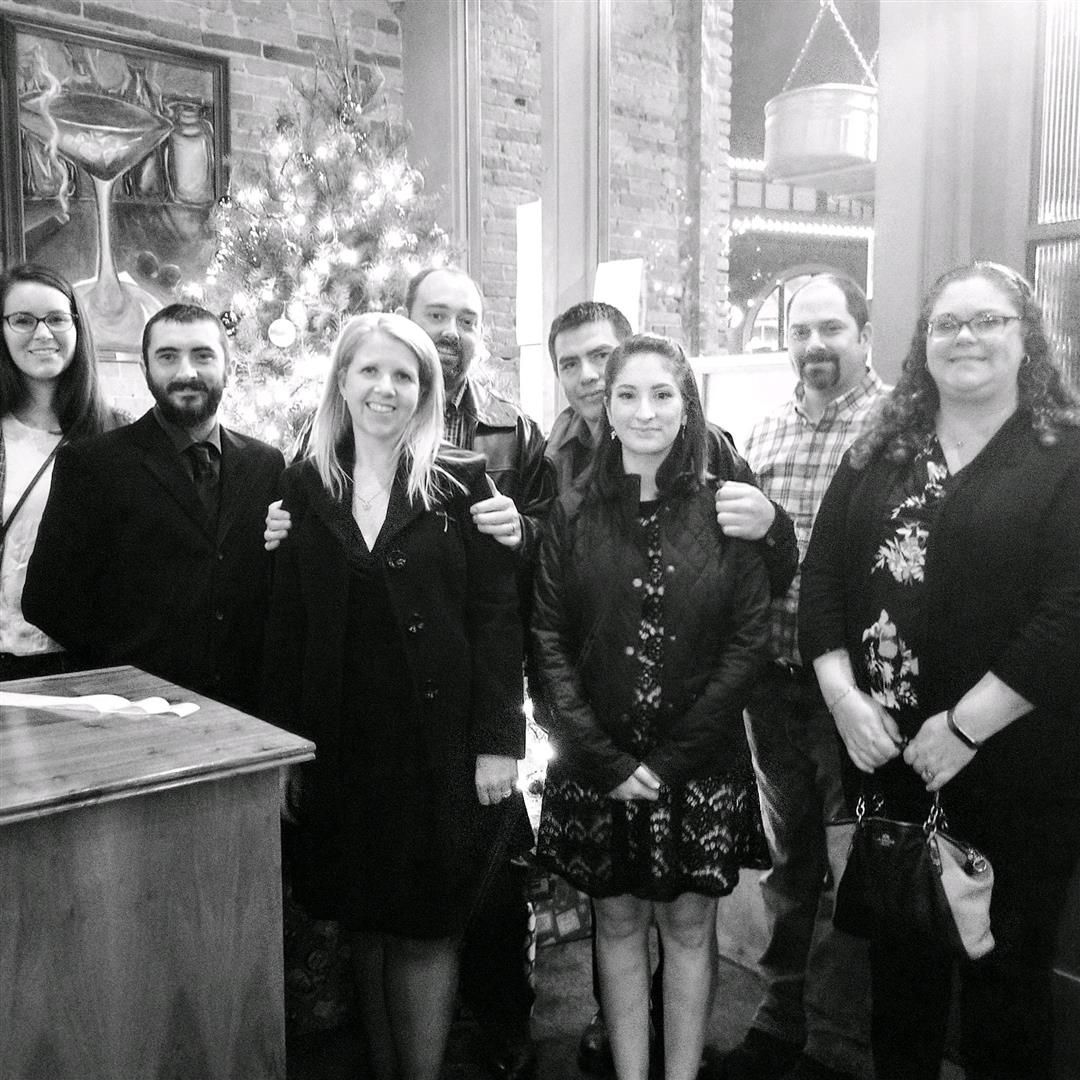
(813, 1023)
(150, 551)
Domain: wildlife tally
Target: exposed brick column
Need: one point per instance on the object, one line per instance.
(708, 186)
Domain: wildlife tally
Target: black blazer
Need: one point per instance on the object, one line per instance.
(129, 569)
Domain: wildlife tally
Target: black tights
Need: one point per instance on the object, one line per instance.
(406, 989)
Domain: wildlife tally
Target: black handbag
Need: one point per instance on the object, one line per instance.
(912, 882)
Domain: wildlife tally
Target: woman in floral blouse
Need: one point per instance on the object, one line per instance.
(941, 607)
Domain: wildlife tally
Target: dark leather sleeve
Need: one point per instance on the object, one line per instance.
(538, 489)
(496, 635)
(779, 548)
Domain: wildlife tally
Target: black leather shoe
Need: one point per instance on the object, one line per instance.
(759, 1056)
(594, 1049)
(516, 1061)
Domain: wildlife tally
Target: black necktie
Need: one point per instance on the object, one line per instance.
(205, 476)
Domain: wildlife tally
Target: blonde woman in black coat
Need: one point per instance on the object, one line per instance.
(394, 643)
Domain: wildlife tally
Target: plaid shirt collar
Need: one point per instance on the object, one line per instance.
(870, 385)
(795, 458)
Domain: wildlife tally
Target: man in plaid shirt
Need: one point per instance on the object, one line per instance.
(813, 1021)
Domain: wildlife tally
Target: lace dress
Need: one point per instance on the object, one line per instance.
(693, 839)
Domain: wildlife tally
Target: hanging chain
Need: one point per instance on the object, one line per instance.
(851, 41)
(806, 45)
(872, 64)
(830, 6)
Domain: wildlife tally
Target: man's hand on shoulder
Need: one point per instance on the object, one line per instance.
(499, 517)
(278, 524)
(743, 511)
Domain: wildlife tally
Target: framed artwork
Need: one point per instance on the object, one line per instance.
(114, 154)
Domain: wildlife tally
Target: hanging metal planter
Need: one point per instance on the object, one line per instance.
(824, 136)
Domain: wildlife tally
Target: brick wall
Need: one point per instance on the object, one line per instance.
(669, 120)
(511, 161)
(669, 131)
(269, 42)
(669, 125)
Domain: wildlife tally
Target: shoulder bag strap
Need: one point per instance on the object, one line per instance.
(26, 491)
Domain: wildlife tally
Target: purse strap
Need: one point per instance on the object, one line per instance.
(26, 491)
(873, 803)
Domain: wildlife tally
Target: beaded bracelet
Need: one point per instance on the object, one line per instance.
(959, 732)
(830, 705)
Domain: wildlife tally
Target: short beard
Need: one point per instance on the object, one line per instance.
(821, 380)
(453, 368)
(187, 416)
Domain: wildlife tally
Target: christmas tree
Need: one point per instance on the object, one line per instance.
(332, 221)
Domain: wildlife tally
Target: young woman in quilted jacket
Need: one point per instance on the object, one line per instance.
(649, 628)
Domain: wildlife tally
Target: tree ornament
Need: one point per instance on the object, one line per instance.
(281, 332)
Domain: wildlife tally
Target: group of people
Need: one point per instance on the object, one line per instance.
(727, 652)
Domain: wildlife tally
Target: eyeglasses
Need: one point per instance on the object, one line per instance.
(987, 324)
(22, 322)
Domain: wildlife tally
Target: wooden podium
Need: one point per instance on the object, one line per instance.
(140, 887)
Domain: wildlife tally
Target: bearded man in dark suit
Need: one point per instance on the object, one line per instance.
(150, 551)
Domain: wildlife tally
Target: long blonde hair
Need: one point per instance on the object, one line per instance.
(331, 430)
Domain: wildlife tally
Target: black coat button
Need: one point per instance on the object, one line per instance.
(416, 623)
(395, 559)
(430, 691)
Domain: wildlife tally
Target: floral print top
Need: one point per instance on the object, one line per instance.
(891, 644)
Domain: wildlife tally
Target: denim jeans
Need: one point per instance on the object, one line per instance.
(817, 978)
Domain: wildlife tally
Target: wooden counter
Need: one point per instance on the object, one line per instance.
(140, 887)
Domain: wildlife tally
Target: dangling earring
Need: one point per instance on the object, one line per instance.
(1025, 360)
(612, 435)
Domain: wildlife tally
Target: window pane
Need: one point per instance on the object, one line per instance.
(1059, 165)
(1057, 282)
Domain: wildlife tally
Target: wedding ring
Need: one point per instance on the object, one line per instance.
(928, 775)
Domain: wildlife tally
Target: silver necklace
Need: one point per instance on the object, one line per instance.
(369, 502)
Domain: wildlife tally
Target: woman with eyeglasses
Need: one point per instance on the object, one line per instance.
(48, 394)
(941, 607)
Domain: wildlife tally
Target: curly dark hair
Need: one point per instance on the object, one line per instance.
(907, 416)
(683, 470)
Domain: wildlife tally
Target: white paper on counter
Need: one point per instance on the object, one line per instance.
(99, 703)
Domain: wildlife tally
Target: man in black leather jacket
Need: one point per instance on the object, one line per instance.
(447, 303)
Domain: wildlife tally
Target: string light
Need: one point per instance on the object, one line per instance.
(746, 165)
(740, 225)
